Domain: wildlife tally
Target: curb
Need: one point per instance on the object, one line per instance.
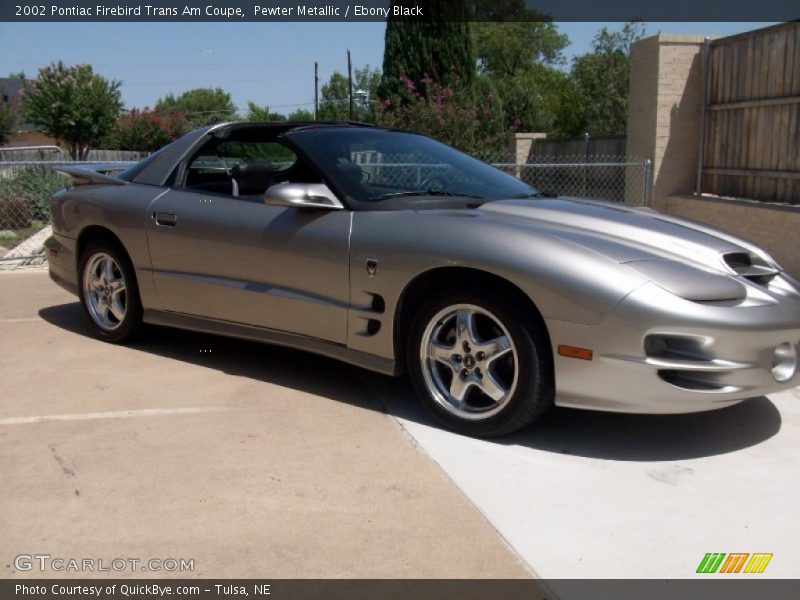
(29, 253)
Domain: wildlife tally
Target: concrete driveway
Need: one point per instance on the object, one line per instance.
(254, 459)
(250, 460)
(598, 495)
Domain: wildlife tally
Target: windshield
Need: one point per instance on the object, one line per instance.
(374, 166)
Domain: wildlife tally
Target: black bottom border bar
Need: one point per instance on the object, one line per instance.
(400, 589)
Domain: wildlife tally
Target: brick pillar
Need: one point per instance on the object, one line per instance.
(522, 146)
(664, 114)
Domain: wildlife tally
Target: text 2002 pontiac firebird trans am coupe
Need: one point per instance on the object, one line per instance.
(397, 253)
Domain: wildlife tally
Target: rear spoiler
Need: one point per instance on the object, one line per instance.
(87, 176)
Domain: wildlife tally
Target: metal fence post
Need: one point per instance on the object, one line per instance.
(648, 166)
(585, 160)
(703, 115)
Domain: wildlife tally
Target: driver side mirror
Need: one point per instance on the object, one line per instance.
(302, 195)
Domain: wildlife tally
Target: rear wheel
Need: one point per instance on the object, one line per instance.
(109, 294)
(476, 367)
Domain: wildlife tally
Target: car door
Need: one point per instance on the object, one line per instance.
(241, 260)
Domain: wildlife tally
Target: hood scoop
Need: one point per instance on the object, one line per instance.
(750, 266)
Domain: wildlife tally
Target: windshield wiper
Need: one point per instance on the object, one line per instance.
(535, 195)
(423, 193)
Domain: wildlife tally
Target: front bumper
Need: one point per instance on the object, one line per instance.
(657, 353)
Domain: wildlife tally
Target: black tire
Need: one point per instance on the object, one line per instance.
(126, 329)
(533, 390)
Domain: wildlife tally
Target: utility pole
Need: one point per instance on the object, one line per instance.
(316, 91)
(350, 85)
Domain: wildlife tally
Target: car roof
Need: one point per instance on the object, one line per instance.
(158, 168)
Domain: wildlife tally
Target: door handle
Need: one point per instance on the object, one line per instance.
(166, 219)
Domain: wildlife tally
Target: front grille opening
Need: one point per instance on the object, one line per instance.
(750, 266)
(689, 380)
(676, 347)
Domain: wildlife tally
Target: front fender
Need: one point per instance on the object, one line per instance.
(565, 280)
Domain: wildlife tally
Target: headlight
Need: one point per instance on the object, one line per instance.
(688, 282)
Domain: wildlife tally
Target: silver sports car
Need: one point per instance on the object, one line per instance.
(391, 251)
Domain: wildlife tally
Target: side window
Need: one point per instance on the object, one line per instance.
(241, 169)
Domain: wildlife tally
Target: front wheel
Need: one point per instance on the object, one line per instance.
(478, 367)
(109, 294)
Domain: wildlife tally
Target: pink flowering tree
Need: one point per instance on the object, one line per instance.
(73, 104)
(147, 130)
(469, 119)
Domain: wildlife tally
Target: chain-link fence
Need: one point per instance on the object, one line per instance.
(612, 178)
(26, 185)
(25, 190)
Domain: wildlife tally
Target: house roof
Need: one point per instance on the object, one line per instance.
(10, 88)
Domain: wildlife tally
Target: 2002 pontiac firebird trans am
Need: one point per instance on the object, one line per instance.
(397, 253)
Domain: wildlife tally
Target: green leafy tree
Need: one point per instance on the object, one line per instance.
(335, 101)
(301, 114)
(73, 104)
(147, 130)
(505, 50)
(533, 98)
(600, 80)
(521, 56)
(262, 113)
(9, 118)
(334, 98)
(428, 49)
(201, 106)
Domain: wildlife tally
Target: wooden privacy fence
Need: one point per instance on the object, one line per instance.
(51, 153)
(750, 147)
(604, 145)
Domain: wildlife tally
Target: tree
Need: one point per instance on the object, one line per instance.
(532, 99)
(201, 106)
(301, 114)
(505, 50)
(335, 104)
(428, 49)
(600, 81)
(520, 52)
(147, 130)
(262, 113)
(449, 113)
(9, 117)
(72, 104)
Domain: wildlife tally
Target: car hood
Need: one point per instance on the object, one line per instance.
(622, 233)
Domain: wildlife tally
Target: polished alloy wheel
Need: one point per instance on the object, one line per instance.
(104, 290)
(469, 361)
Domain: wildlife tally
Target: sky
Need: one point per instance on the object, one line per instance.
(269, 63)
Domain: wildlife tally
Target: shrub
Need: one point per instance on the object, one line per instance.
(24, 198)
(15, 213)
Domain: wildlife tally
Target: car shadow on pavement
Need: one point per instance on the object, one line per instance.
(591, 434)
(626, 437)
(617, 436)
(294, 369)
